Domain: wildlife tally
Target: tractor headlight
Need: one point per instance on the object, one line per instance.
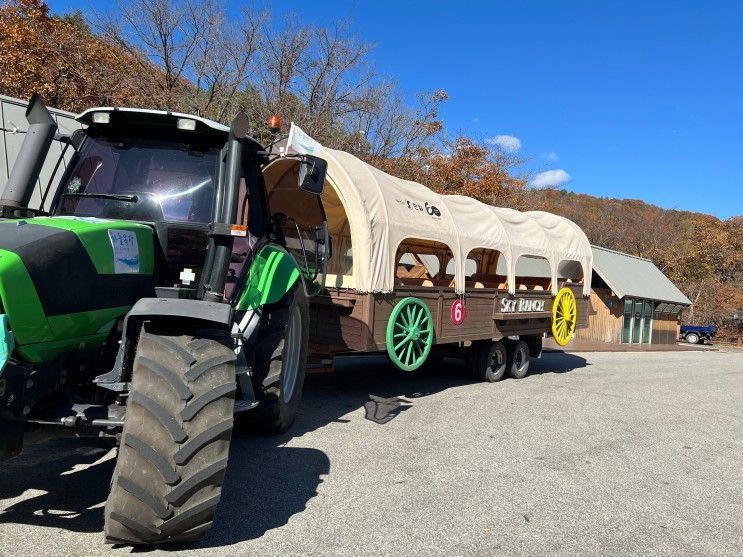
(186, 124)
(101, 118)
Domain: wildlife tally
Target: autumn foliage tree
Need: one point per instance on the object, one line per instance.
(61, 59)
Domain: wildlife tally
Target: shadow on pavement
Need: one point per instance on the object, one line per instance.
(557, 362)
(72, 482)
(267, 482)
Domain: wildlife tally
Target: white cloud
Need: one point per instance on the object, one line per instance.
(550, 178)
(551, 156)
(507, 142)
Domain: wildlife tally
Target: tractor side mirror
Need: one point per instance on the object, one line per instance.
(312, 172)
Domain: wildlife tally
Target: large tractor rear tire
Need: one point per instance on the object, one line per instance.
(176, 438)
(280, 361)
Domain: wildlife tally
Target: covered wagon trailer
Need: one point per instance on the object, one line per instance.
(414, 273)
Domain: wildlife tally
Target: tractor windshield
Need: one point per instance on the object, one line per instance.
(141, 179)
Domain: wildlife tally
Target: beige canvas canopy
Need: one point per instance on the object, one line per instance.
(377, 212)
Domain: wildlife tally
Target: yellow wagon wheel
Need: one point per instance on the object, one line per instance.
(564, 316)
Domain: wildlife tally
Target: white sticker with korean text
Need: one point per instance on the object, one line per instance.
(126, 251)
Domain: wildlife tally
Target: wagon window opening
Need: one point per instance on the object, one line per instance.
(485, 268)
(569, 272)
(421, 262)
(533, 273)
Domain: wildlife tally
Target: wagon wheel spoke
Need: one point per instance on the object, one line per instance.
(408, 354)
(417, 349)
(403, 321)
(419, 318)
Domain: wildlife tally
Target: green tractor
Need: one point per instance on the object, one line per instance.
(154, 302)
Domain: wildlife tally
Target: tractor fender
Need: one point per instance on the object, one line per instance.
(148, 309)
(272, 275)
(214, 312)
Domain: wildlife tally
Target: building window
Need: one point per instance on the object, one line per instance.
(647, 323)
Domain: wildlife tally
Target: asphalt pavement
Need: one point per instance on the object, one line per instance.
(592, 454)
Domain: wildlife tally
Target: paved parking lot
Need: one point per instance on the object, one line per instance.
(593, 454)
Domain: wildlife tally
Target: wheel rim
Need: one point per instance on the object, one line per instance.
(564, 316)
(409, 334)
(496, 359)
(290, 356)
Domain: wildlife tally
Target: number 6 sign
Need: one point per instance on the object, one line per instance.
(458, 312)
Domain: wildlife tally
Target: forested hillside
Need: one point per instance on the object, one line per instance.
(188, 56)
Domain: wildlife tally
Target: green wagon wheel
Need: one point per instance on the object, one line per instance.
(409, 334)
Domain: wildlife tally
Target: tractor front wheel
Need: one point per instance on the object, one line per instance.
(176, 438)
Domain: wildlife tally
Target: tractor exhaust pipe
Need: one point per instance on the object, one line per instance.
(27, 167)
(215, 268)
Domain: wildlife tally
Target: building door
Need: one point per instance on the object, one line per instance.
(638, 321)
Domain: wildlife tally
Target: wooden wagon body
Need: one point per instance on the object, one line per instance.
(345, 320)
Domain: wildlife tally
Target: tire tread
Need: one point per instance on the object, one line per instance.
(175, 444)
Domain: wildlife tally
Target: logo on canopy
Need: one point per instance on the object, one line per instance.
(430, 210)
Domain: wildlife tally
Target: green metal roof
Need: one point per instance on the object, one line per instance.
(635, 277)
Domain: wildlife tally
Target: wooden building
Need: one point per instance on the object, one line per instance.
(632, 301)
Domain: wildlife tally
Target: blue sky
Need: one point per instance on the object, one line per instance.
(620, 99)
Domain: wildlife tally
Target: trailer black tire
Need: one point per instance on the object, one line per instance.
(692, 338)
(176, 438)
(492, 362)
(280, 362)
(518, 359)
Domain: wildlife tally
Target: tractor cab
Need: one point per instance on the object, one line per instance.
(164, 169)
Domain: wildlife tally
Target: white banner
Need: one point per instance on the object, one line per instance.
(300, 143)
